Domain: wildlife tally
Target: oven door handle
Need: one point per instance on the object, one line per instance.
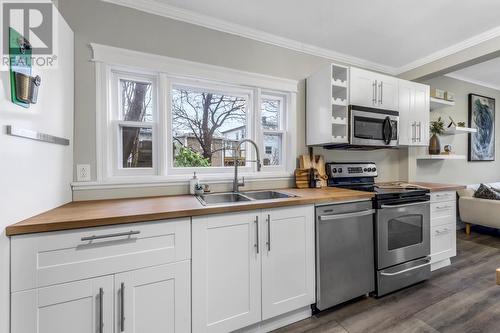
(346, 215)
(427, 263)
(405, 205)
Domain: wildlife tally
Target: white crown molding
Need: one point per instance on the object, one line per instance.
(476, 82)
(465, 44)
(158, 8)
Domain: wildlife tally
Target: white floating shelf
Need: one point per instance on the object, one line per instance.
(338, 101)
(339, 83)
(437, 103)
(459, 130)
(339, 121)
(442, 157)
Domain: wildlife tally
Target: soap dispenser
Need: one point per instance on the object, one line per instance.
(192, 184)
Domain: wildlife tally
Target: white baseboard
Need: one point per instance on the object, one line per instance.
(278, 322)
(440, 264)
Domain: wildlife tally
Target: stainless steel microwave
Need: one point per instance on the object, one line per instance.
(372, 127)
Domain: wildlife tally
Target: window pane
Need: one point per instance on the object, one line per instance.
(272, 149)
(137, 147)
(270, 113)
(137, 100)
(206, 127)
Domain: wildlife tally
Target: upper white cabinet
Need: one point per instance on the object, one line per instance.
(251, 266)
(372, 89)
(413, 113)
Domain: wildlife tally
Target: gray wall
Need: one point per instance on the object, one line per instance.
(104, 23)
(460, 171)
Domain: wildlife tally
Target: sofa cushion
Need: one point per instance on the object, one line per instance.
(485, 192)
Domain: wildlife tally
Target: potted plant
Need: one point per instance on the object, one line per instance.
(436, 128)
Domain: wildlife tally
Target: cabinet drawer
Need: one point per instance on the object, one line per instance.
(443, 196)
(44, 259)
(443, 209)
(443, 242)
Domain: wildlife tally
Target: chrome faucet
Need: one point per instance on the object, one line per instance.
(236, 182)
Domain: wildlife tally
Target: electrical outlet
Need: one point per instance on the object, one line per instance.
(83, 172)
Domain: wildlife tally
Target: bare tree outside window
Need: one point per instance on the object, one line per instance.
(205, 123)
(136, 106)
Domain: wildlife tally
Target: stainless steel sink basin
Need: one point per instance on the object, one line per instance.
(221, 198)
(232, 197)
(267, 195)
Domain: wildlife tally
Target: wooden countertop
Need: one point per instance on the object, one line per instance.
(433, 187)
(86, 214)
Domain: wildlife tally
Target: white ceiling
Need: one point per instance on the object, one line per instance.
(484, 74)
(389, 34)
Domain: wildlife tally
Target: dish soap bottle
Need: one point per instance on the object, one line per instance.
(192, 184)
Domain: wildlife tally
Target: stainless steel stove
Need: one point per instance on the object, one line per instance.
(401, 226)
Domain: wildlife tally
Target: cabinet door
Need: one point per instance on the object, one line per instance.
(154, 300)
(226, 271)
(288, 276)
(362, 89)
(443, 242)
(422, 113)
(387, 92)
(78, 307)
(406, 122)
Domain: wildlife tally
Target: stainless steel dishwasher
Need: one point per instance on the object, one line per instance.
(344, 252)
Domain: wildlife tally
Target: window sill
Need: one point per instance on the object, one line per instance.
(161, 181)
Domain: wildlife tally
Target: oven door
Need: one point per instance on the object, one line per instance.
(373, 128)
(403, 232)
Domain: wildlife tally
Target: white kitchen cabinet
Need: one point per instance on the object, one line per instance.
(414, 111)
(226, 268)
(252, 266)
(287, 260)
(155, 299)
(372, 89)
(63, 291)
(78, 307)
(443, 228)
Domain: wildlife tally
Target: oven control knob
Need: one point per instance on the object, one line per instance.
(374, 169)
(334, 170)
(340, 170)
(365, 170)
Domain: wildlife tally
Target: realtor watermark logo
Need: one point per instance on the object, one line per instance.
(28, 34)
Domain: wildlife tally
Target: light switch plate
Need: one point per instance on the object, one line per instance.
(83, 172)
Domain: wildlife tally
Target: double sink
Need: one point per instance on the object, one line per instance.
(236, 197)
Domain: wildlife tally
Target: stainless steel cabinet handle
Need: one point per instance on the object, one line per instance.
(122, 307)
(101, 306)
(268, 232)
(419, 131)
(374, 92)
(428, 262)
(413, 132)
(346, 215)
(443, 207)
(381, 98)
(406, 205)
(257, 234)
(120, 234)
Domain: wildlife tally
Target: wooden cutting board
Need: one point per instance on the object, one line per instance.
(317, 162)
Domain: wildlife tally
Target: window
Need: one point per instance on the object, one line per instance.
(156, 126)
(272, 124)
(206, 125)
(133, 118)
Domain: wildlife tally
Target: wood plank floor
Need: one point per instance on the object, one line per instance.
(462, 297)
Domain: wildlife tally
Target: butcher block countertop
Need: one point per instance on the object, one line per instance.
(433, 187)
(84, 214)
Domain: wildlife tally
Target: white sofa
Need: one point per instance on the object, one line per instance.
(478, 211)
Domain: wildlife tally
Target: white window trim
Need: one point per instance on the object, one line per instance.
(167, 70)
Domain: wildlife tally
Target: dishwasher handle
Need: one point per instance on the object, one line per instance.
(346, 215)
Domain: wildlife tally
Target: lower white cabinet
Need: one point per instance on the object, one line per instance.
(443, 228)
(136, 295)
(77, 307)
(251, 266)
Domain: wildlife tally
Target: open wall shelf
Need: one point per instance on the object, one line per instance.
(459, 130)
(437, 103)
(441, 157)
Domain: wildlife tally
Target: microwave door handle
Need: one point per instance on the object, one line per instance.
(387, 138)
